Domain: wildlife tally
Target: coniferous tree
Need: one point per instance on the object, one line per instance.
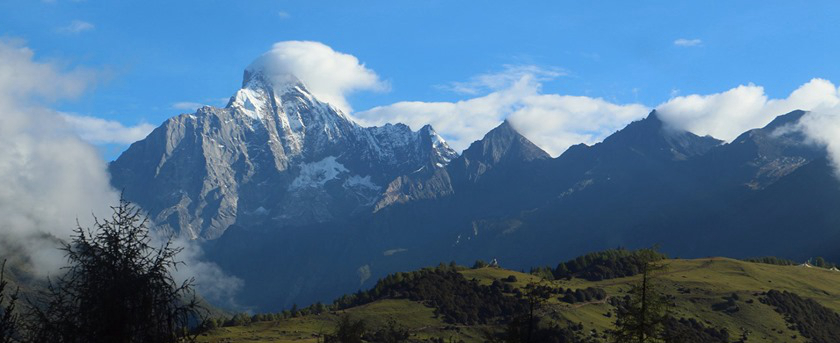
(118, 287)
(391, 333)
(348, 331)
(8, 318)
(641, 317)
(524, 327)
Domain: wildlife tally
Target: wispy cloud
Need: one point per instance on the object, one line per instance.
(284, 15)
(98, 130)
(77, 26)
(503, 79)
(187, 105)
(685, 42)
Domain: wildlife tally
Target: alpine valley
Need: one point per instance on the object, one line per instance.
(291, 195)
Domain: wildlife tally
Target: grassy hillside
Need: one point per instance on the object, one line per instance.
(717, 292)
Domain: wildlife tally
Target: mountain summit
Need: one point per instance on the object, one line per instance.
(653, 138)
(275, 154)
(504, 143)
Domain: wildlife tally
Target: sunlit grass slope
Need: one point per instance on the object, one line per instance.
(695, 285)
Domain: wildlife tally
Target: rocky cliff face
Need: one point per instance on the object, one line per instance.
(759, 157)
(275, 154)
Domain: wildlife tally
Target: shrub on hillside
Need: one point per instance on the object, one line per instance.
(771, 260)
(812, 320)
(690, 330)
(608, 264)
(454, 297)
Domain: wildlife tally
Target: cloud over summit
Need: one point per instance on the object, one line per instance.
(727, 114)
(330, 75)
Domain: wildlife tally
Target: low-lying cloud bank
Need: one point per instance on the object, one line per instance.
(50, 177)
(552, 121)
(727, 114)
(555, 122)
(822, 127)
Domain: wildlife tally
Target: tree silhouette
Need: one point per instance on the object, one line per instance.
(9, 324)
(348, 331)
(117, 287)
(642, 316)
(392, 332)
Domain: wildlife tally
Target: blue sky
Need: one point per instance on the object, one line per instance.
(151, 55)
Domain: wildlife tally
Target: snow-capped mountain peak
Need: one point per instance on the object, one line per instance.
(257, 78)
(275, 150)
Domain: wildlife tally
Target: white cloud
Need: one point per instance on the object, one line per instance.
(727, 114)
(50, 177)
(283, 15)
(822, 127)
(187, 105)
(77, 26)
(503, 79)
(329, 75)
(684, 42)
(98, 130)
(459, 122)
(553, 122)
(556, 122)
(210, 281)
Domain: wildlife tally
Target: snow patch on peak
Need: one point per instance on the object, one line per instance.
(437, 140)
(317, 174)
(391, 136)
(250, 102)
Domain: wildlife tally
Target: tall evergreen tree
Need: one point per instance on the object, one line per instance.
(524, 327)
(8, 318)
(118, 287)
(642, 317)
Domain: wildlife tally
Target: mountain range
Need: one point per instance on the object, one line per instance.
(291, 195)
